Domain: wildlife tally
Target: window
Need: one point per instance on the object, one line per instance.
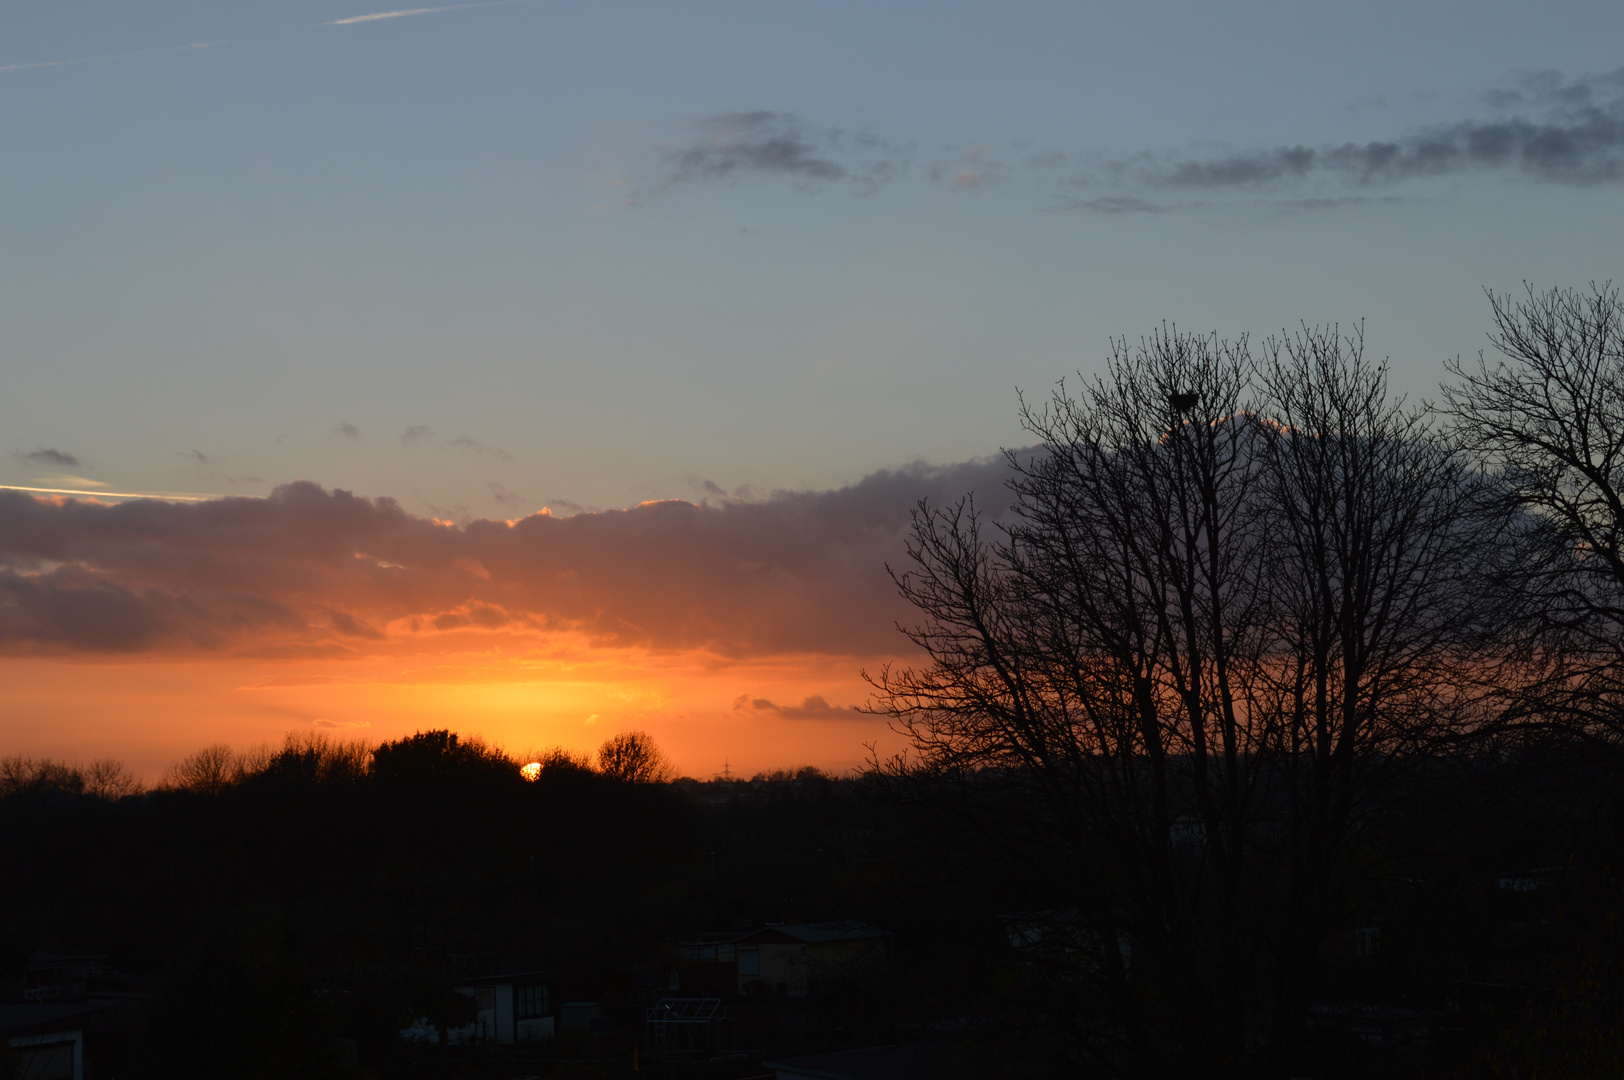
(529, 1001)
(1367, 940)
(749, 960)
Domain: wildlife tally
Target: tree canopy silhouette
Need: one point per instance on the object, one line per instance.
(632, 756)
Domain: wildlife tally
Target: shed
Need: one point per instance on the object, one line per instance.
(513, 1007)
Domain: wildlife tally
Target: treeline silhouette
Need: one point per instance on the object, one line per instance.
(281, 898)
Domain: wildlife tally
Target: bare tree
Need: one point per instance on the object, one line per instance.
(1162, 676)
(1089, 661)
(1550, 422)
(1382, 630)
(209, 771)
(102, 779)
(632, 756)
(20, 775)
(108, 779)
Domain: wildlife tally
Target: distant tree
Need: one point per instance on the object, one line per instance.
(108, 779)
(438, 755)
(554, 762)
(103, 778)
(1549, 419)
(313, 758)
(209, 771)
(633, 756)
(23, 775)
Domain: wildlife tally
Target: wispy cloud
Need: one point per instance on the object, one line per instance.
(763, 143)
(503, 494)
(46, 455)
(402, 13)
(814, 707)
(472, 445)
(32, 64)
(1544, 127)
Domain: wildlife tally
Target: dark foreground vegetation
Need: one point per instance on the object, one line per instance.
(1272, 728)
(321, 898)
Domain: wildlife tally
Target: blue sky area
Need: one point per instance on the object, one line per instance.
(487, 257)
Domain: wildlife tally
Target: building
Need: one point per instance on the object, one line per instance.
(513, 1008)
(510, 1008)
(48, 1040)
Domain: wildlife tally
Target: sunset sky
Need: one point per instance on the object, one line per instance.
(546, 370)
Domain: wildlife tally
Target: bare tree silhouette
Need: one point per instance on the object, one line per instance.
(209, 771)
(1166, 678)
(1549, 419)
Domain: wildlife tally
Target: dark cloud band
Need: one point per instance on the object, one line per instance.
(1548, 128)
(315, 572)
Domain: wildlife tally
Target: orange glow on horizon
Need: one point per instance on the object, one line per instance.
(759, 714)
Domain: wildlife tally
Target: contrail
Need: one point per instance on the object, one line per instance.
(108, 494)
(110, 56)
(403, 12)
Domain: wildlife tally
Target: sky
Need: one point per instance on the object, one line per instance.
(546, 371)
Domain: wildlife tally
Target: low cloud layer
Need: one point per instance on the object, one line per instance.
(311, 572)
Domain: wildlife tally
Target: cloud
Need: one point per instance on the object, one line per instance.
(308, 571)
(1558, 131)
(349, 626)
(402, 13)
(463, 442)
(67, 480)
(1114, 204)
(502, 494)
(1541, 126)
(814, 707)
(45, 455)
(347, 430)
(417, 433)
(767, 144)
(198, 457)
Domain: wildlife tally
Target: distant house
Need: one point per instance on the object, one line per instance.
(510, 1008)
(76, 1011)
(785, 959)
